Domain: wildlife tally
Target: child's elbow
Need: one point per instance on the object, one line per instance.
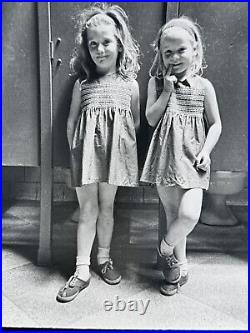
(70, 122)
(151, 121)
(219, 126)
(137, 125)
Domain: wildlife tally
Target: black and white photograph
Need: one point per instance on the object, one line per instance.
(125, 165)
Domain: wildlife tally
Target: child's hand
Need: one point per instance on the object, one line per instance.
(202, 161)
(169, 80)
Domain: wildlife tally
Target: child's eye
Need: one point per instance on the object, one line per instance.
(167, 54)
(106, 42)
(182, 50)
(92, 45)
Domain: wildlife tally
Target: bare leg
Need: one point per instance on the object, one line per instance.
(105, 226)
(171, 198)
(105, 222)
(182, 209)
(88, 201)
(188, 216)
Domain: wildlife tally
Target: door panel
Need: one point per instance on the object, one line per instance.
(145, 19)
(225, 32)
(20, 119)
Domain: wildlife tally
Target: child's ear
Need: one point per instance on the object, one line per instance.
(195, 54)
(195, 50)
(119, 46)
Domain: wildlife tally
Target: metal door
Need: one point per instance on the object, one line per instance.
(225, 32)
(20, 124)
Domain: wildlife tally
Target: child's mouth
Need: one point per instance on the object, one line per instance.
(102, 58)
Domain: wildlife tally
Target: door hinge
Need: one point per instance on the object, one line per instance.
(51, 50)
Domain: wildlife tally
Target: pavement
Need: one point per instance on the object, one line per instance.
(215, 297)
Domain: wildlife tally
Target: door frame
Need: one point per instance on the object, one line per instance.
(46, 108)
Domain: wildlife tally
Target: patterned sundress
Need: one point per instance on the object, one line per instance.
(177, 139)
(104, 144)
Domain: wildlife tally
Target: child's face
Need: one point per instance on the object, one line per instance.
(103, 47)
(177, 50)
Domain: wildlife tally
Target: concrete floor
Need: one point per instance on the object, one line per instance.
(215, 298)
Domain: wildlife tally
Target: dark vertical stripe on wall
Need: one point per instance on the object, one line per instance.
(44, 251)
(172, 10)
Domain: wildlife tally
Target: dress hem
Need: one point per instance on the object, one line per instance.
(185, 187)
(107, 182)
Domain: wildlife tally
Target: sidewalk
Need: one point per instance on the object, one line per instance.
(215, 298)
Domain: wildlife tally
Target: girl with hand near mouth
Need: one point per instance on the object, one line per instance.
(178, 159)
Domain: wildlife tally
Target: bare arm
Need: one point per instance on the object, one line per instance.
(156, 107)
(74, 111)
(135, 104)
(214, 123)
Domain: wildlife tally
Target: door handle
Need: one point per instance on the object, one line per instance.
(58, 41)
(59, 61)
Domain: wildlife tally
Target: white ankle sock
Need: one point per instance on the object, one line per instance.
(183, 267)
(82, 267)
(82, 272)
(166, 249)
(102, 255)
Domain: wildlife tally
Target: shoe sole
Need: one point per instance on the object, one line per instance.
(163, 291)
(113, 282)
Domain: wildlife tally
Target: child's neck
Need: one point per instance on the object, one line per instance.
(106, 74)
(184, 76)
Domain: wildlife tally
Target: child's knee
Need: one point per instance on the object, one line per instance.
(190, 217)
(106, 209)
(89, 210)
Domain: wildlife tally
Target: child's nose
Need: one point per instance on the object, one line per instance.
(100, 48)
(175, 57)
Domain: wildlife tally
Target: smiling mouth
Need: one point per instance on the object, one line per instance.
(101, 58)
